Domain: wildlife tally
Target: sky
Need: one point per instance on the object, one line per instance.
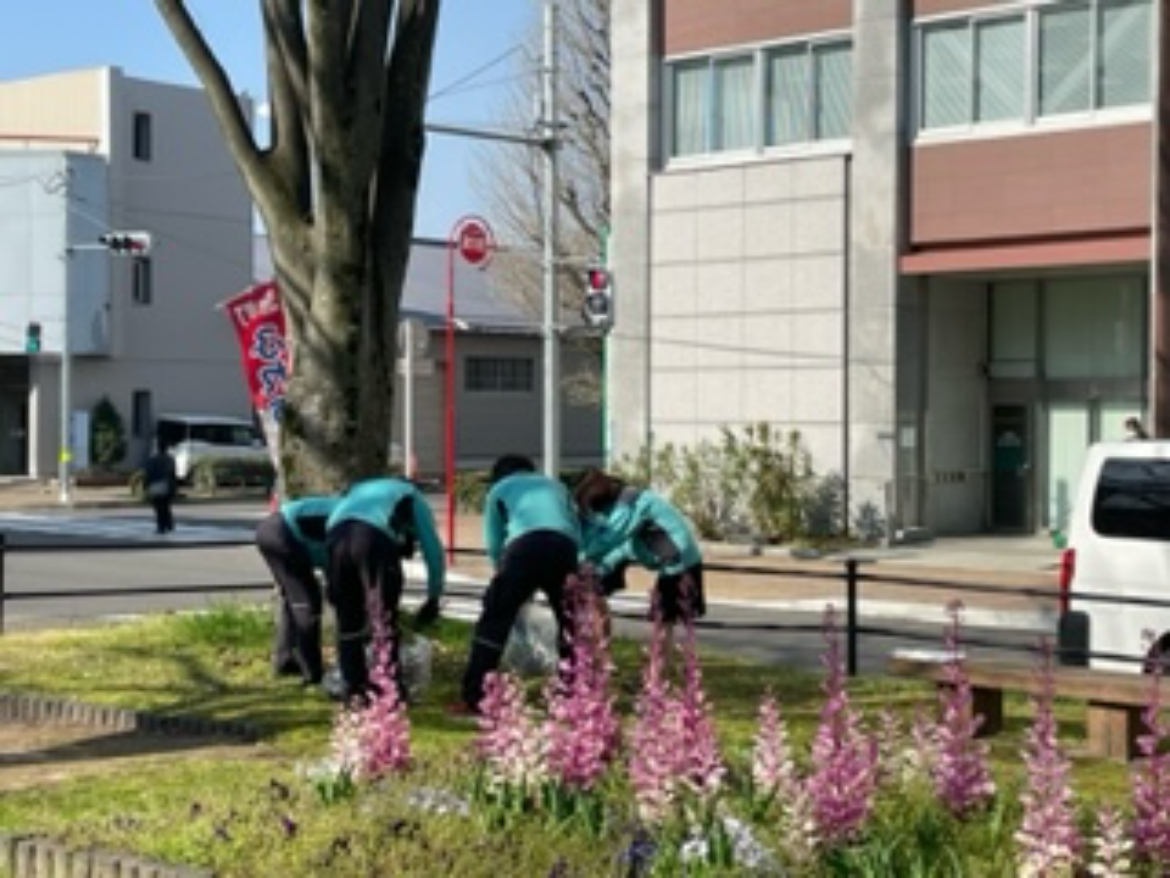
(476, 58)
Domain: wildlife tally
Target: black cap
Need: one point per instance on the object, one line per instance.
(510, 464)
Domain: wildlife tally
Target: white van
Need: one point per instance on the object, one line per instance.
(1115, 570)
(194, 437)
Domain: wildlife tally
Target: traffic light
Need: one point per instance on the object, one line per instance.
(127, 243)
(597, 307)
(32, 338)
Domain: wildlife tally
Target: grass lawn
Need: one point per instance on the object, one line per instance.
(249, 811)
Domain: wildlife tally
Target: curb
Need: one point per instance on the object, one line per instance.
(27, 855)
(51, 710)
(34, 856)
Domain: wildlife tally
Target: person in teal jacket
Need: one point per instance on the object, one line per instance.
(624, 524)
(532, 538)
(291, 540)
(374, 526)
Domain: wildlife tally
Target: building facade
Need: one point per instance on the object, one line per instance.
(916, 231)
(84, 153)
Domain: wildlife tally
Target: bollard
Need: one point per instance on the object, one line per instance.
(851, 617)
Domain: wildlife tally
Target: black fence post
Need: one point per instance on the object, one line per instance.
(851, 566)
(3, 594)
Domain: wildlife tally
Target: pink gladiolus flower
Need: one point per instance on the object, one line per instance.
(844, 776)
(960, 773)
(1048, 840)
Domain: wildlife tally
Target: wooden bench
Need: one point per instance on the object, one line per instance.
(1115, 700)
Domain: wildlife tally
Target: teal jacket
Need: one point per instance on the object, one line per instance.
(377, 502)
(306, 517)
(642, 527)
(522, 503)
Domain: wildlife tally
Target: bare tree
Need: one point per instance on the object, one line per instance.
(513, 184)
(336, 189)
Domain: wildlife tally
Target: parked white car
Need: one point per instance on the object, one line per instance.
(1115, 569)
(194, 437)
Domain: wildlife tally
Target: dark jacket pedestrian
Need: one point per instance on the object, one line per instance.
(374, 526)
(533, 539)
(292, 542)
(161, 484)
(624, 524)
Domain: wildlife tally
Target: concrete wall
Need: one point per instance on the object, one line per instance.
(956, 430)
(747, 302)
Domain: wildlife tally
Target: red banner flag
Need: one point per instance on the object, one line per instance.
(257, 316)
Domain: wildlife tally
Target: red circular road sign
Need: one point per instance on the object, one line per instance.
(474, 240)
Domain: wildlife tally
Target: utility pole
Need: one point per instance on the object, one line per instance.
(1159, 386)
(552, 317)
(548, 141)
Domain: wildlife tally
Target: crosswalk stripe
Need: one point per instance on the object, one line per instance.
(117, 528)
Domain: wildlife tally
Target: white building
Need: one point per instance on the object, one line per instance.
(83, 153)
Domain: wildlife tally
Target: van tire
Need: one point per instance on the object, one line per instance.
(1072, 637)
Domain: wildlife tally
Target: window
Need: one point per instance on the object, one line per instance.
(143, 281)
(1050, 60)
(500, 375)
(716, 105)
(142, 137)
(1132, 500)
(809, 93)
(141, 417)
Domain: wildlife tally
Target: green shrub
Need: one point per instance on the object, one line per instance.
(107, 435)
(211, 473)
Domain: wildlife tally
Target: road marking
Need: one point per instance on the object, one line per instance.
(137, 528)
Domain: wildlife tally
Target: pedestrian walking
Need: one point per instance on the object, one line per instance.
(377, 523)
(532, 540)
(624, 524)
(161, 485)
(291, 540)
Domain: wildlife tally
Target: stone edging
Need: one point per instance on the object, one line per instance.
(35, 856)
(50, 709)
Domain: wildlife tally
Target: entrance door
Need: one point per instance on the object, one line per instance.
(1011, 468)
(13, 435)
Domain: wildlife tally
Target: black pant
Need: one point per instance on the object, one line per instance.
(537, 561)
(364, 571)
(298, 622)
(164, 517)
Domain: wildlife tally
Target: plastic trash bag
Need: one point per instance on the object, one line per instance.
(417, 655)
(531, 650)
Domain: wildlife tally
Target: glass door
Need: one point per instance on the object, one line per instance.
(1011, 467)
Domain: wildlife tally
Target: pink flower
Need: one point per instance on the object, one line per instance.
(960, 772)
(582, 727)
(1150, 780)
(844, 776)
(509, 740)
(1048, 839)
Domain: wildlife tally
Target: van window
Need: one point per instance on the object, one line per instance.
(1132, 500)
(223, 434)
